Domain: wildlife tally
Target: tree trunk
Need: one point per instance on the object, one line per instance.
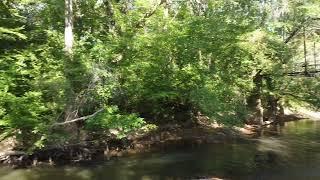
(272, 100)
(281, 112)
(68, 31)
(166, 13)
(68, 42)
(259, 112)
(305, 52)
(315, 56)
(110, 13)
(70, 111)
(272, 108)
(258, 102)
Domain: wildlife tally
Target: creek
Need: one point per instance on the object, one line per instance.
(288, 152)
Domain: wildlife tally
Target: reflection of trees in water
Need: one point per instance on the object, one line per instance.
(267, 144)
(272, 130)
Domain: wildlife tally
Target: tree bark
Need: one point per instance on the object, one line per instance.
(258, 103)
(110, 13)
(281, 112)
(68, 31)
(70, 111)
(314, 56)
(166, 13)
(305, 52)
(68, 42)
(272, 100)
(78, 119)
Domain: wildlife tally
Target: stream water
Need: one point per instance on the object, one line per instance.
(290, 152)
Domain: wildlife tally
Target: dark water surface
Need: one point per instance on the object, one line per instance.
(292, 152)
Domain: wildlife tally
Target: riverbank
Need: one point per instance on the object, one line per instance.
(162, 138)
(247, 160)
(171, 136)
(303, 113)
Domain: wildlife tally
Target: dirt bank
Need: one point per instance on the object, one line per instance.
(164, 137)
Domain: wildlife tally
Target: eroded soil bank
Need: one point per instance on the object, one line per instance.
(169, 136)
(163, 138)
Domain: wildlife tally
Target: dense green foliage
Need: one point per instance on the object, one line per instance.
(143, 65)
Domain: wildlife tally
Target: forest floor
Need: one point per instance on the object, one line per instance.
(164, 137)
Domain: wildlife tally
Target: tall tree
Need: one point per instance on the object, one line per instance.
(68, 32)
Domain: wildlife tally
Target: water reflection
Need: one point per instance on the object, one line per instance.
(288, 152)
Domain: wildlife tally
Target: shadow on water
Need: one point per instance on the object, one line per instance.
(288, 152)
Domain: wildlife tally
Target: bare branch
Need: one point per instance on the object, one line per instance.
(295, 31)
(149, 14)
(78, 119)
